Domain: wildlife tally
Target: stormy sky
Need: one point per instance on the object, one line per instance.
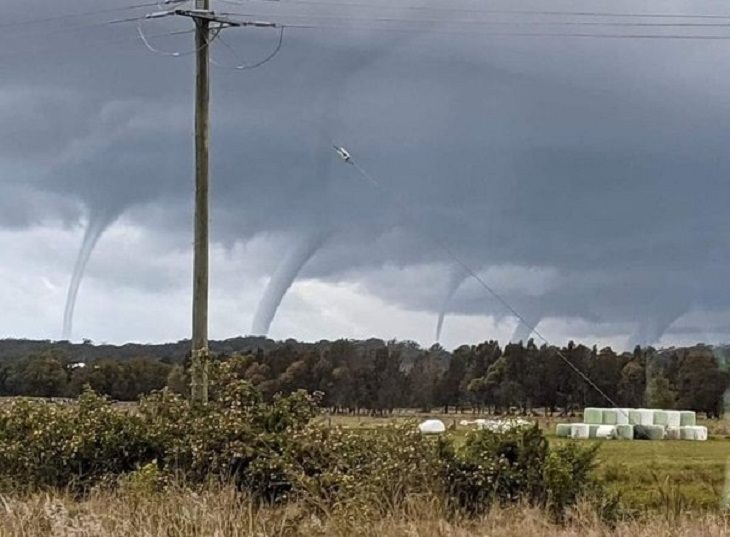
(576, 162)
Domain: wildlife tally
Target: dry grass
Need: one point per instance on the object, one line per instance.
(224, 513)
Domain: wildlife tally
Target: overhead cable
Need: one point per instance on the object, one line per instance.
(74, 16)
(175, 54)
(484, 22)
(249, 66)
(435, 30)
(116, 40)
(490, 11)
(347, 158)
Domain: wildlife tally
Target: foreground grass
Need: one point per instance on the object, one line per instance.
(224, 513)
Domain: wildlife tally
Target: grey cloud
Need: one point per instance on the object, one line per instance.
(590, 159)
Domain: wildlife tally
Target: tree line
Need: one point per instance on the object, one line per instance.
(378, 377)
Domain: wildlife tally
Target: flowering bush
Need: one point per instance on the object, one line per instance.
(45, 444)
(274, 451)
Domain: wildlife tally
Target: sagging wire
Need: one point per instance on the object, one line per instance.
(175, 54)
(347, 158)
(246, 67)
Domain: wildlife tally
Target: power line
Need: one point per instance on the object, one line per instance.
(546, 13)
(128, 39)
(345, 155)
(174, 54)
(244, 66)
(80, 27)
(470, 22)
(343, 27)
(66, 16)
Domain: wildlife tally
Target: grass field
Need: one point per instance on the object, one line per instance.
(225, 513)
(647, 475)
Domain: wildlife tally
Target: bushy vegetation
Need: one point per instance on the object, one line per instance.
(274, 453)
(376, 377)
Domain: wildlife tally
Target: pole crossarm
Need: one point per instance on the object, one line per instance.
(210, 16)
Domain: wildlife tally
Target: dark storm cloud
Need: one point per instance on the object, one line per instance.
(603, 161)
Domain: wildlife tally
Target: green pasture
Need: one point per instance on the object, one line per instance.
(647, 475)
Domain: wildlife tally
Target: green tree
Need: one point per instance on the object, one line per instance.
(39, 376)
(632, 385)
(660, 393)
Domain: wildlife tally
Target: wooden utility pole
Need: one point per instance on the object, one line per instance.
(200, 354)
(203, 17)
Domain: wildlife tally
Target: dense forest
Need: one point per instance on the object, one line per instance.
(377, 377)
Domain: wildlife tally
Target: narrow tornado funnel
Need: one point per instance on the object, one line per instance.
(651, 329)
(99, 221)
(524, 330)
(283, 278)
(456, 278)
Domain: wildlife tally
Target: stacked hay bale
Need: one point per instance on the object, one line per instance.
(625, 431)
(580, 430)
(622, 416)
(610, 416)
(646, 417)
(687, 418)
(639, 423)
(649, 432)
(593, 416)
(697, 432)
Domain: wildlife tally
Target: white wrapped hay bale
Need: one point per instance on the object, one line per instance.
(648, 432)
(672, 433)
(432, 427)
(693, 432)
(634, 416)
(593, 416)
(562, 430)
(674, 418)
(610, 416)
(580, 430)
(622, 416)
(625, 431)
(646, 417)
(687, 418)
(606, 431)
(661, 418)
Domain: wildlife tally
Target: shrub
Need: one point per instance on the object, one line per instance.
(52, 444)
(375, 469)
(273, 450)
(569, 475)
(516, 466)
